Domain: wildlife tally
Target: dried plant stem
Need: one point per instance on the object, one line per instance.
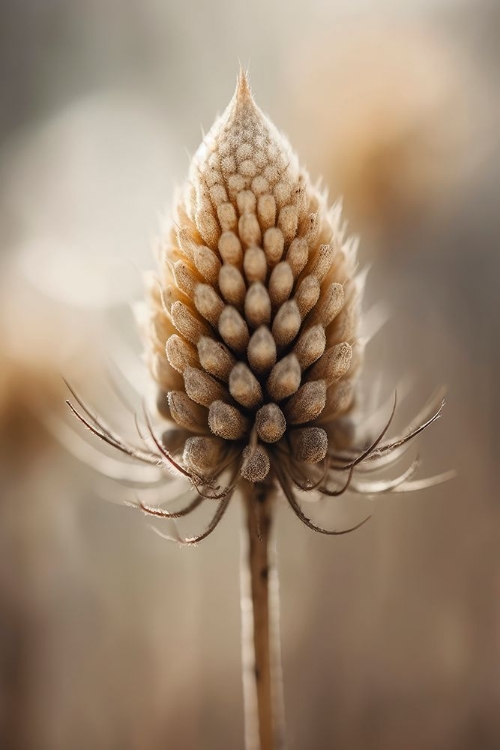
(262, 680)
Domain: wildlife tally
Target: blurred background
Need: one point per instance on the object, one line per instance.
(111, 637)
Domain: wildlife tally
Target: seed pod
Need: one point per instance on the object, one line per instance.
(263, 287)
(261, 351)
(309, 444)
(185, 412)
(307, 404)
(256, 464)
(250, 325)
(284, 378)
(270, 423)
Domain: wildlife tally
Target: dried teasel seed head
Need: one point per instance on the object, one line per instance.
(252, 277)
(252, 319)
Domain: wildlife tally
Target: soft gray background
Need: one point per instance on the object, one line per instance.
(111, 637)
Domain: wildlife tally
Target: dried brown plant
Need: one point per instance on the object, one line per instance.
(251, 330)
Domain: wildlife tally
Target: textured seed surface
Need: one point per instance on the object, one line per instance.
(274, 242)
(255, 264)
(309, 444)
(215, 358)
(244, 386)
(180, 353)
(262, 350)
(284, 378)
(280, 284)
(202, 454)
(230, 248)
(307, 403)
(334, 363)
(226, 421)
(256, 464)
(202, 387)
(286, 324)
(307, 295)
(232, 285)
(270, 423)
(208, 303)
(310, 346)
(252, 317)
(257, 305)
(187, 322)
(322, 261)
(297, 255)
(233, 329)
(185, 412)
(207, 263)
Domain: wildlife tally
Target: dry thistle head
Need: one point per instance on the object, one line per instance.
(254, 314)
(251, 326)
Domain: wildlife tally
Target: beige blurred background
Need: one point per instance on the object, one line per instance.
(111, 637)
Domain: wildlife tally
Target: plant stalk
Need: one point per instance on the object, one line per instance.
(261, 652)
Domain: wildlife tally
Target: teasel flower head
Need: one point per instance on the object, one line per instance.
(251, 327)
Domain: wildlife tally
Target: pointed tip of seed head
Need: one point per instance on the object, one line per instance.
(242, 100)
(243, 92)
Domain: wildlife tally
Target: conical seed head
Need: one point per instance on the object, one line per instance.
(255, 289)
